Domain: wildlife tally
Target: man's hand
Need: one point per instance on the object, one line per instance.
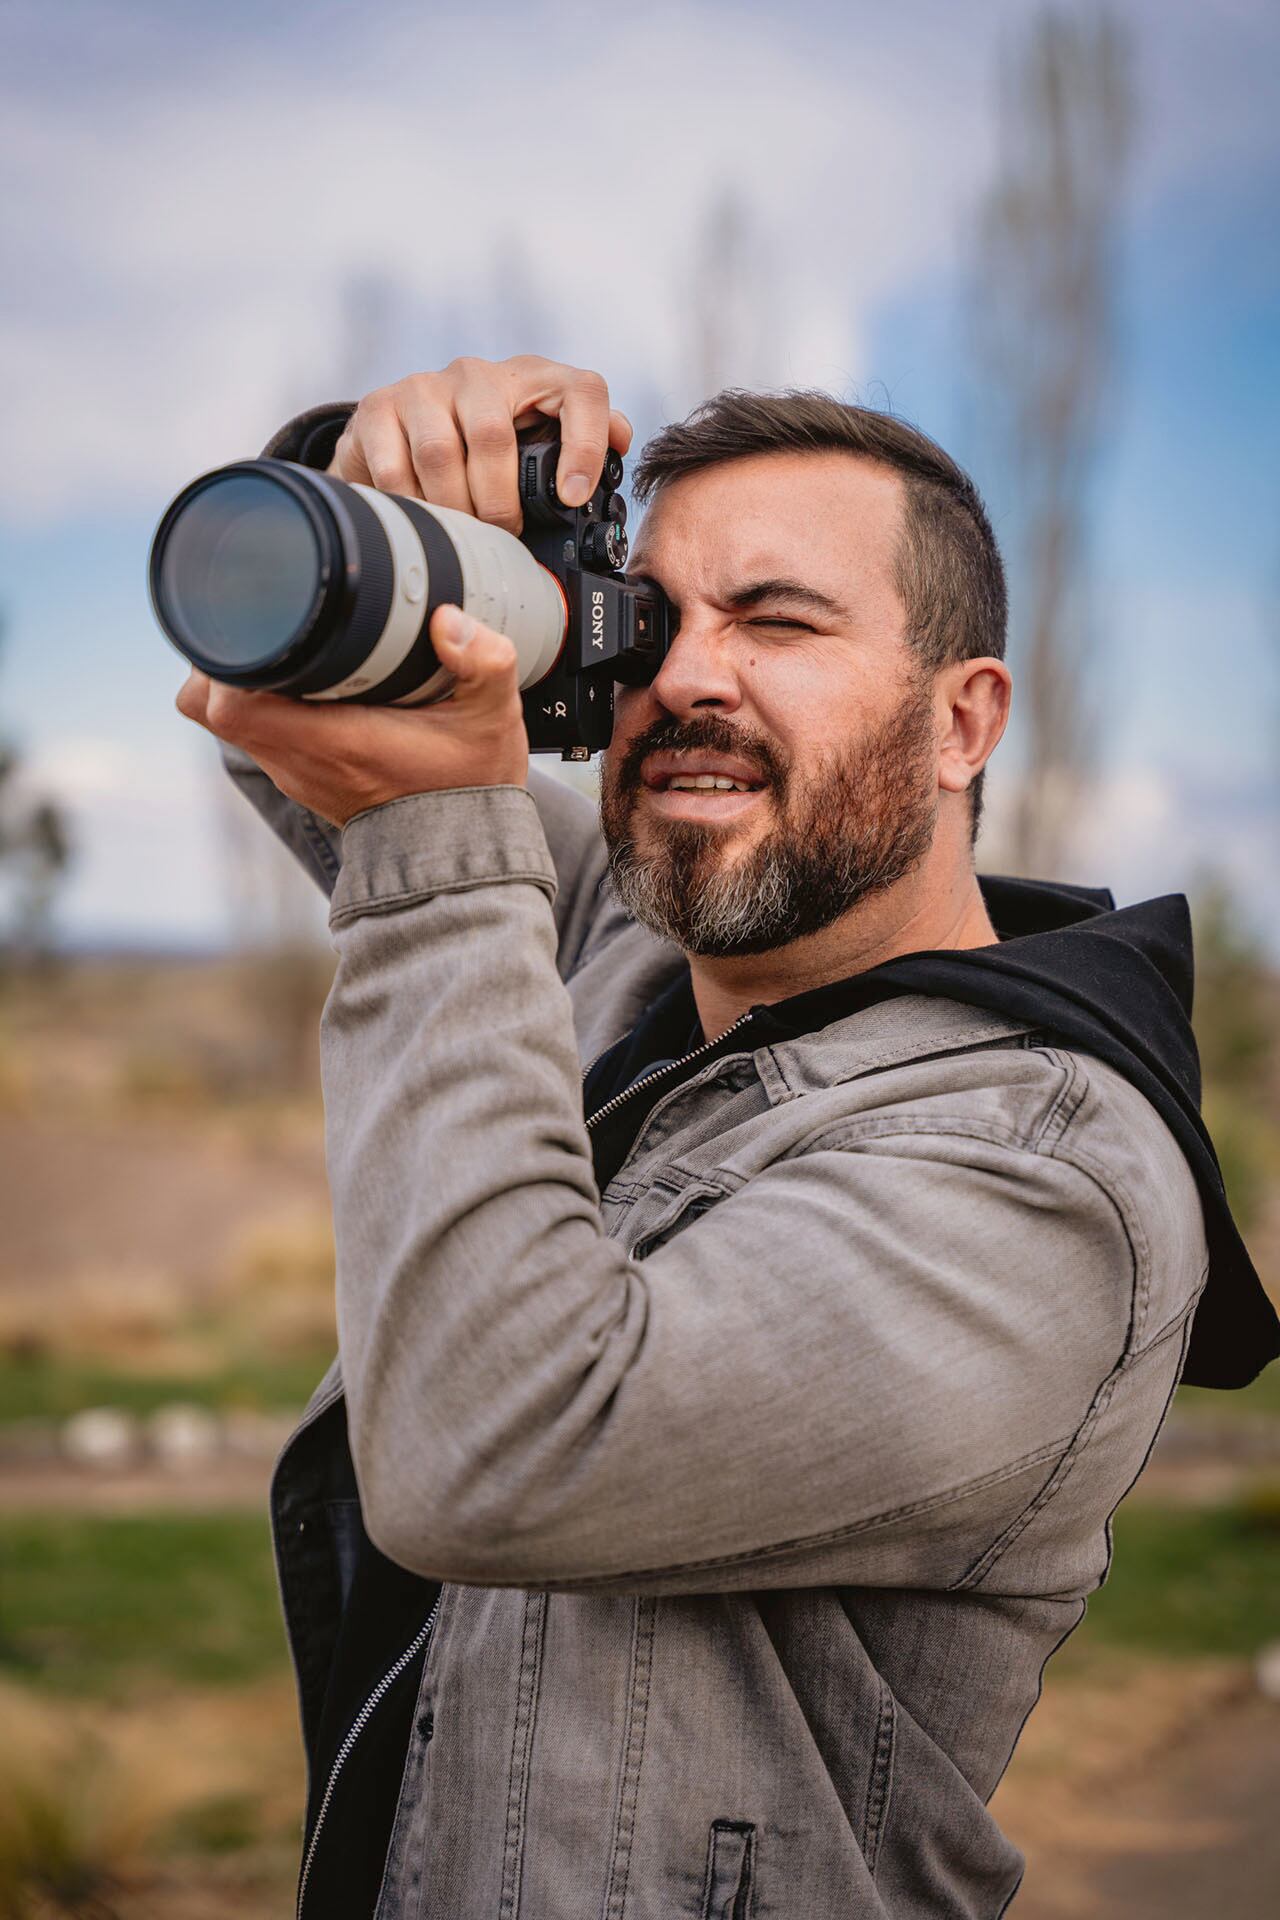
(338, 759)
(450, 437)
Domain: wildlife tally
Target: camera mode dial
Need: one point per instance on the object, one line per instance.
(604, 544)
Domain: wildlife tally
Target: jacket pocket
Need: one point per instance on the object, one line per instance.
(731, 1853)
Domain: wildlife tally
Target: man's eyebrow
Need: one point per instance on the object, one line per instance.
(758, 591)
(792, 590)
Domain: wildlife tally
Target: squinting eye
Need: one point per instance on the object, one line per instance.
(796, 626)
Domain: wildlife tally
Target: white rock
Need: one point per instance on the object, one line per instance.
(1266, 1670)
(101, 1437)
(183, 1435)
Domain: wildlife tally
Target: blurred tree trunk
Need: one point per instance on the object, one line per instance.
(733, 337)
(35, 854)
(285, 966)
(1044, 304)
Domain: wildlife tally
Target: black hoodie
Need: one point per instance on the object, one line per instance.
(1111, 982)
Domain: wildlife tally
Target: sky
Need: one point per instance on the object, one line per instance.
(210, 218)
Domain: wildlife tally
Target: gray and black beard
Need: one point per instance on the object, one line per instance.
(855, 826)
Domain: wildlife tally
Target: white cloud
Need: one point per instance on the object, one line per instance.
(182, 261)
(183, 203)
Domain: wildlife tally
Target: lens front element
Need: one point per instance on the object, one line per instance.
(240, 571)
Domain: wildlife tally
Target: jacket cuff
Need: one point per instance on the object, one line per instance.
(430, 843)
(309, 438)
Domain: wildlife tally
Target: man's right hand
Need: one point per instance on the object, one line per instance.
(450, 437)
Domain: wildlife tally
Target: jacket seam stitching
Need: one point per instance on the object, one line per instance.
(1102, 1399)
(983, 1037)
(1065, 1105)
(521, 1744)
(319, 842)
(804, 1542)
(988, 1561)
(413, 896)
(1117, 1194)
(879, 1786)
(629, 1784)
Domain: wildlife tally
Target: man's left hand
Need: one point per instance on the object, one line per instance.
(339, 759)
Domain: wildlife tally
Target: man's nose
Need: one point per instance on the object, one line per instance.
(698, 673)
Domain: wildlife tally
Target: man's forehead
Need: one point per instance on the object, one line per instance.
(825, 518)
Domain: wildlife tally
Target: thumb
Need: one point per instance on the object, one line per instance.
(482, 662)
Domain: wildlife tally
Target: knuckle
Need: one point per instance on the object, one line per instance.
(386, 471)
(414, 386)
(491, 432)
(434, 449)
(379, 401)
(496, 508)
(223, 705)
(589, 385)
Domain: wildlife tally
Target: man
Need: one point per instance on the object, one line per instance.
(707, 1483)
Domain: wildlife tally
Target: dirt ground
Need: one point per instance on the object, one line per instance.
(95, 1195)
(1150, 1794)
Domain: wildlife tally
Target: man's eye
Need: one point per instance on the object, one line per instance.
(780, 620)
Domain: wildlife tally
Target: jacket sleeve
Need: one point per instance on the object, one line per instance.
(842, 1372)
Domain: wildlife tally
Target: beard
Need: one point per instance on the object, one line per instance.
(856, 825)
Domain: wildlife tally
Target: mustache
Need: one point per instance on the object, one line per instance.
(712, 734)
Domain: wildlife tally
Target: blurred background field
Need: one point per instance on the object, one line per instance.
(1046, 233)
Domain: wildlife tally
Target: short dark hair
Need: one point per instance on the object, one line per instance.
(948, 568)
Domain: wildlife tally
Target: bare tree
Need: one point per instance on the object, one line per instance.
(734, 334)
(35, 853)
(283, 961)
(1044, 304)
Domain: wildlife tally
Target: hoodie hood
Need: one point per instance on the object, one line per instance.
(1112, 982)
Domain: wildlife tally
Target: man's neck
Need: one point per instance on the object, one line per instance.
(908, 918)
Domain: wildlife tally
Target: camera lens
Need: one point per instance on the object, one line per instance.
(266, 574)
(241, 571)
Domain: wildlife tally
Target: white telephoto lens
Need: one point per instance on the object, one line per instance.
(503, 586)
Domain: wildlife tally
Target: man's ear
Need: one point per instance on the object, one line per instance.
(973, 702)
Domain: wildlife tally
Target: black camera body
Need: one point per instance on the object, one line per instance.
(615, 631)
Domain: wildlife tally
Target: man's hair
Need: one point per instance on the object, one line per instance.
(948, 568)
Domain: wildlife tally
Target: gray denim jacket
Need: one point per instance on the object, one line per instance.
(763, 1484)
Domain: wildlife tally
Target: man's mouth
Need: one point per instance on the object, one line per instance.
(692, 772)
(701, 786)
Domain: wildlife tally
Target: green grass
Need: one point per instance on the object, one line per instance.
(40, 1387)
(107, 1607)
(1261, 1396)
(1187, 1582)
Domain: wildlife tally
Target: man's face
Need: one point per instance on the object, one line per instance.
(792, 676)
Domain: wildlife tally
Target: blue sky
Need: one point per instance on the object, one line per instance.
(187, 196)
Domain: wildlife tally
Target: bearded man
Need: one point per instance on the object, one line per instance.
(722, 1440)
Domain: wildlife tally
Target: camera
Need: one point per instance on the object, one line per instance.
(268, 575)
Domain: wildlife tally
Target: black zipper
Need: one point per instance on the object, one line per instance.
(660, 1073)
(357, 1727)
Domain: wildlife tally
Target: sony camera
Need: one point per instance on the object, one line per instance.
(268, 575)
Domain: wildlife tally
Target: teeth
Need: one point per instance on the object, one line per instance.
(705, 783)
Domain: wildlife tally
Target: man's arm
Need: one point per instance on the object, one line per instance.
(849, 1368)
(585, 916)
